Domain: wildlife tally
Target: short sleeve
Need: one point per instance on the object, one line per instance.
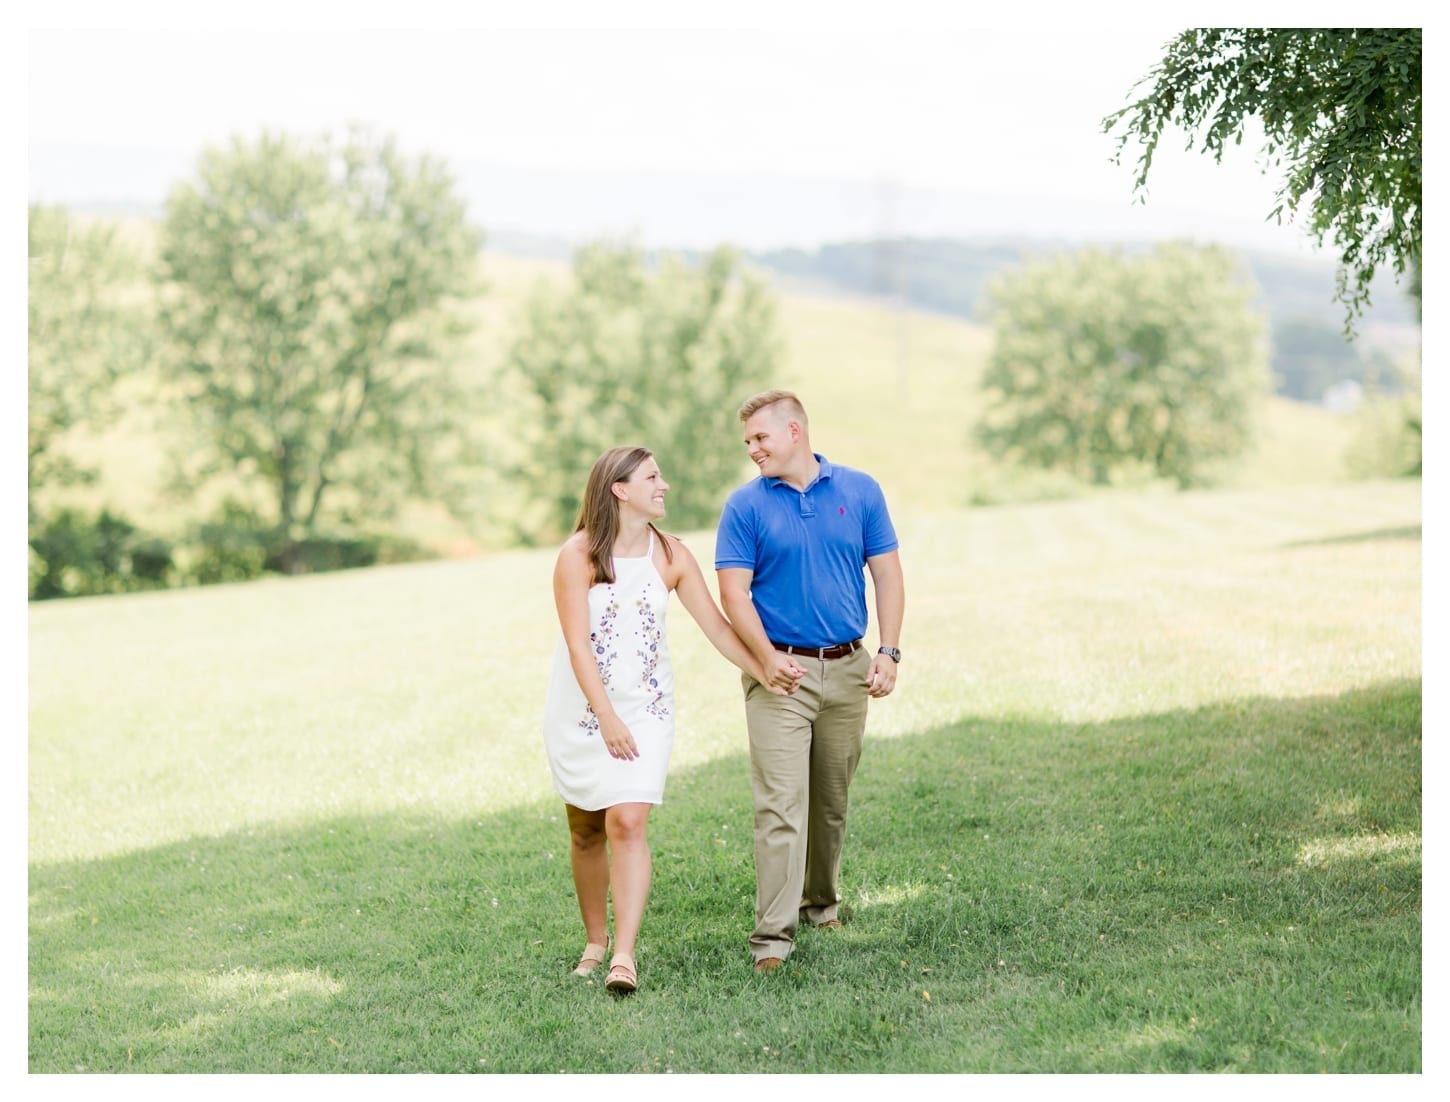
(735, 542)
(880, 534)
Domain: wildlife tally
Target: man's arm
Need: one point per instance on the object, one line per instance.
(890, 586)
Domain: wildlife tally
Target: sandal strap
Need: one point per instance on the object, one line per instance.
(593, 957)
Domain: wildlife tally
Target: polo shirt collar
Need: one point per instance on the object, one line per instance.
(821, 475)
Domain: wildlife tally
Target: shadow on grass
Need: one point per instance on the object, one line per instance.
(1236, 887)
(1412, 532)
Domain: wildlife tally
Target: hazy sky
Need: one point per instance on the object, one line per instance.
(1005, 108)
(931, 128)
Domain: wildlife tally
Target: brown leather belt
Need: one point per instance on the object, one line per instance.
(840, 650)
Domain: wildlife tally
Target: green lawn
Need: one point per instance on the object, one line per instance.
(1148, 799)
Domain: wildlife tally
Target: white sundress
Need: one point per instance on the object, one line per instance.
(627, 632)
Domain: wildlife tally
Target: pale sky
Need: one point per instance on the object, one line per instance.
(937, 127)
(950, 109)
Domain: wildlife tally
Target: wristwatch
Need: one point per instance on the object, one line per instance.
(890, 652)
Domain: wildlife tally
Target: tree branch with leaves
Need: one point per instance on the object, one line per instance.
(1341, 115)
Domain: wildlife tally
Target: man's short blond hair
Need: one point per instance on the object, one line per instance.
(793, 408)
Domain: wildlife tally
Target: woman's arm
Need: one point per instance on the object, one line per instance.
(782, 672)
(573, 576)
(700, 604)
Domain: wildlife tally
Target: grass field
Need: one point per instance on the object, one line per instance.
(1147, 799)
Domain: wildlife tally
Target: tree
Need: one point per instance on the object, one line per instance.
(88, 327)
(1340, 110)
(622, 355)
(312, 307)
(1103, 364)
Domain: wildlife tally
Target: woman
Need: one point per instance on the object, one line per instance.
(609, 719)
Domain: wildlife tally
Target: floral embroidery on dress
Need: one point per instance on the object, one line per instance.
(605, 652)
(653, 634)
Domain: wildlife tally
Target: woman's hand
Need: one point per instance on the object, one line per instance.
(617, 739)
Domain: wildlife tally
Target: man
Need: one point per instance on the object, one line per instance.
(791, 554)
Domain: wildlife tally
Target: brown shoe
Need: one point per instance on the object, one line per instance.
(768, 964)
(829, 924)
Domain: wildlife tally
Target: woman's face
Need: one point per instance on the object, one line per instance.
(645, 490)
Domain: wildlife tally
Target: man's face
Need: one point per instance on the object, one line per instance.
(769, 441)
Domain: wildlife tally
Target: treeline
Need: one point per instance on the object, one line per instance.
(1309, 353)
(299, 336)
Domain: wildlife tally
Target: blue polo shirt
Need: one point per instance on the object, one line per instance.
(807, 550)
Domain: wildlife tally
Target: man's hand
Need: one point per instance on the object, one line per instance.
(882, 678)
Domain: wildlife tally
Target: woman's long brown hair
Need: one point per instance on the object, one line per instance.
(599, 511)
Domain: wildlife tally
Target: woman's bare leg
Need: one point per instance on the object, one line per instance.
(589, 860)
(630, 871)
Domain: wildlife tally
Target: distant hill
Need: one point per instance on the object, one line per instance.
(951, 275)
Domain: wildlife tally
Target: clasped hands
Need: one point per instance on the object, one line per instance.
(782, 674)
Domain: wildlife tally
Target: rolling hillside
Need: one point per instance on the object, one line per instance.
(889, 389)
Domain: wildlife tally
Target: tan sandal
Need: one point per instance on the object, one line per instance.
(622, 978)
(593, 957)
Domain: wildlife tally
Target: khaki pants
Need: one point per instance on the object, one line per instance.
(803, 753)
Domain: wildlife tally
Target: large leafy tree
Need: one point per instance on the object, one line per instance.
(89, 327)
(626, 354)
(1340, 111)
(1104, 364)
(311, 294)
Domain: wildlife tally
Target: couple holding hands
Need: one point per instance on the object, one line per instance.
(791, 552)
